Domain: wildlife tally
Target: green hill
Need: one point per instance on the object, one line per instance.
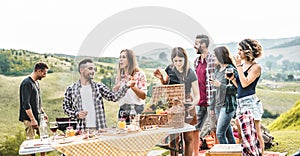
(285, 129)
(291, 43)
(289, 120)
(277, 96)
(18, 62)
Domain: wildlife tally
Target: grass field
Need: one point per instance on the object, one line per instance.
(288, 141)
(281, 99)
(53, 87)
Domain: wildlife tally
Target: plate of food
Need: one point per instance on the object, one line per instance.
(57, 137)
(132, 128)
(66, 140)
(150, 127)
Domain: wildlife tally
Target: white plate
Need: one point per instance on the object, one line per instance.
(59, 137)
(66, 140)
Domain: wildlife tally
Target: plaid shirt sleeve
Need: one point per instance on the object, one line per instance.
(196, 63)
(72, 104)
(110, 95)
(209, 69)
(68, 103)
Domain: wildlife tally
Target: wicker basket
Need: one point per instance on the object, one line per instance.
(176, 120)
(153, 119)
(167, 93)
(176, 114)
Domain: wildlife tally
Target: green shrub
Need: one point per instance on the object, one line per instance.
(289, 120)
(268, 114)
(11, 143)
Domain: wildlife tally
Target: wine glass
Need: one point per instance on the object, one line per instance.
(212, 78)
(229, 74)
(187, 105)
(53, 128)
(122, 114)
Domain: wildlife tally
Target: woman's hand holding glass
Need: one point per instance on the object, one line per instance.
(229, 74)
(189, 106)
(215, 82)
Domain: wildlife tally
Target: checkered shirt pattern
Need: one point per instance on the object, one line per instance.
(210, 68)
(72, 102)
(249, 136)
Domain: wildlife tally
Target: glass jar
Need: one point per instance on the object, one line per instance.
(121, 123)
(70, 131)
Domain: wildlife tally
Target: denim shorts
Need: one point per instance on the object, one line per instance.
(252, 103)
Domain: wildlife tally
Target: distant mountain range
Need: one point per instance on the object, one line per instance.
(153, 55)
(289, 48)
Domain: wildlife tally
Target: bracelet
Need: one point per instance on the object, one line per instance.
(239, 65)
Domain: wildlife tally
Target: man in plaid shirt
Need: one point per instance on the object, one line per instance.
(205, 68)
(84, 98)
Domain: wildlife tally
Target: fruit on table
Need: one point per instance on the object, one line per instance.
(70, 132)
(121, 124)
(164, 112)
(158, 111)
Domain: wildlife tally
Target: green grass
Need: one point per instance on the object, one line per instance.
(288, 141)
(55, 84)
(278, 100)
(289, 120)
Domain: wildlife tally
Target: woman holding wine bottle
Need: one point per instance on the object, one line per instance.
(248, 105)
(224, 99)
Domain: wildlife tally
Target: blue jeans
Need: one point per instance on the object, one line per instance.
(201, 116)
(224, 130)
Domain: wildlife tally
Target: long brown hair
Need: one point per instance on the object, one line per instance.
(223, 55)
(180, 52)
(251, 48)
(132, 64)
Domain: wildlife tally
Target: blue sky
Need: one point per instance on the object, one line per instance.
(60, 26)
